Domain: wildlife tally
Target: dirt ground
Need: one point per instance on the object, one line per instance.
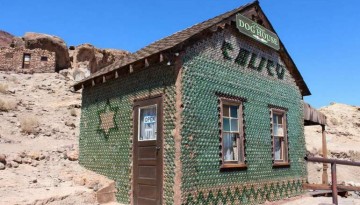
(39, 130)
(41, 151)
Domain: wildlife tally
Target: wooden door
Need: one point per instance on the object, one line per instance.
(147, 158)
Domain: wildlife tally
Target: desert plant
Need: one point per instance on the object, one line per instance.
(3, 88)
(29, 124)
(73, 112)
(354, 155)
(7, 105)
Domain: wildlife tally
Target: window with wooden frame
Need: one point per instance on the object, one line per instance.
(232, 134)
(279, 137)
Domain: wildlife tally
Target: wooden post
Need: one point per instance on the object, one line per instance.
(334, 183)
(324, 152)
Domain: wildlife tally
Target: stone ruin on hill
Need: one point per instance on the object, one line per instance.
(43, 53)
(24, 60)
(34, 53)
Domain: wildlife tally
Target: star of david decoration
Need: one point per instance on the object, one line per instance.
(107, 119)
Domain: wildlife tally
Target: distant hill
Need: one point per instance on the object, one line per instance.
(5, 38)
(343, 141)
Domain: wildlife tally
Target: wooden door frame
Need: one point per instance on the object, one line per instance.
(143, 102)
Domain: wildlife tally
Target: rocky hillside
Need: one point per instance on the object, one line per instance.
(39, 117)
(5, 38)
(343, 142)
(85, 58)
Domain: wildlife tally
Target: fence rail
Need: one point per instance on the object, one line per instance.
(334, 186)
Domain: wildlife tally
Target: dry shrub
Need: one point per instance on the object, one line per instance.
(3, 88)
(7, 105)
(73, 112)
(354, 155)
(29, 124)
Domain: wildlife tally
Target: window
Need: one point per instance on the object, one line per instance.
(232, 136)
(26, 60)
(279, 137)
(44, 58)
(147, 123)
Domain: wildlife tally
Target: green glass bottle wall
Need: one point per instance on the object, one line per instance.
(206, 73)
(109, 153)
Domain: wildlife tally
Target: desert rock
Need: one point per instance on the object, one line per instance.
(14, 164)
(17, 42)
(2, 166)
(3, 158)
(34, 155)
(5, 38)
(72, 155)
(91, 58)
(26, 160)
(18, 160)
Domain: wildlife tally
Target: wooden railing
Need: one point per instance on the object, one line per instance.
(334, 186)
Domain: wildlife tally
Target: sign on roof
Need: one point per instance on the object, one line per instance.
(257, 32)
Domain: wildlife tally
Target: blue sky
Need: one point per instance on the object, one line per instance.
(321, 36)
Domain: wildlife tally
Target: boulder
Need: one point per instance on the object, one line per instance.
(70, 124)
(5, 38)
(34, 163)
(86, 56)
(72, 155)
(14, 164)
(34, 155)
(2, 166)
(3, 158)
(80, 73)
(18, 160)
(26, 160)
(83, 57)
(22, 154)
(50, 43)
(107, 194)
(17, 42)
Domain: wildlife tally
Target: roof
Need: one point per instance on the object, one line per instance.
(181, 38)
(313, 116)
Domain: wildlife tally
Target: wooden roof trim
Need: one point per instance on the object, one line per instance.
(313, 116)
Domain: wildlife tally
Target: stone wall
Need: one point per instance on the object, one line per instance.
(41, 61)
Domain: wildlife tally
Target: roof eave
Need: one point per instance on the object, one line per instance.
(80, 84)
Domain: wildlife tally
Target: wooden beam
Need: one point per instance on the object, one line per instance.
(328, 187)
(334, 184)
(146, 63)
(324, 153)
(103, 79)
(337, 161)
(93, 82)
(161, 58)
(116, 74)
(131, 69)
